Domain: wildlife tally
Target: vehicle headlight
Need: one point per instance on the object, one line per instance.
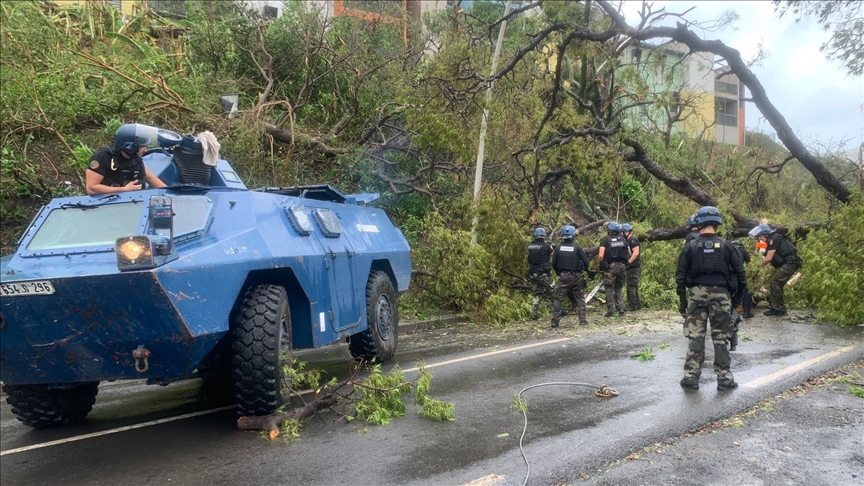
(134, 252)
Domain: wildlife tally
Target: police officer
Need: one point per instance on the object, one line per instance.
(119, 167)
(569, 261)
(634, 268)
(782, 255)
(613, 255)
(692, 229)
(746, 298)
(539, 271)
(711, 268)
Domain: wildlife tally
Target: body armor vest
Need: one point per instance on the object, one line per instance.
(786, 253)
(568, 257)
(709, 264)
(538, 254)
(619, 249)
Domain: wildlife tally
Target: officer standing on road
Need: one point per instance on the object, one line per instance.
(569, 261)
(782, 255)
(692, 229)
(613, 255)
(119, 167)
(746, 299)
(539, 271)
(711, 268)
(634, 268)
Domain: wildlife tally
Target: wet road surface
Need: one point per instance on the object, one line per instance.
(571, 433)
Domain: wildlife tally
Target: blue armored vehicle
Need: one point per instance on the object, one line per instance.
(205, 278)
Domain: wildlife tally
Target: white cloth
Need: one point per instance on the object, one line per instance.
(211, 148)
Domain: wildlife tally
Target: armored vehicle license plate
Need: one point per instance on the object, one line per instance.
(40, 287)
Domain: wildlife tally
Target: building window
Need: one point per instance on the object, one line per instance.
(726, 88)
(270, 12)
(167, 7)
(727, 112)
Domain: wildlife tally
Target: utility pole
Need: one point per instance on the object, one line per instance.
(481, 146)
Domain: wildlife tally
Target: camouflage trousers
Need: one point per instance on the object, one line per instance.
(613, 283)
(714, 304)
(778, 281)
(541, 287)
(570, 284)
(633, 276)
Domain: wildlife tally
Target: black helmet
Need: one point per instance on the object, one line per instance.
(131, 136)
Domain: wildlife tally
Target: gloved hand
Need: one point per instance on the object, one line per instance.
(682, 302)
(604, 265)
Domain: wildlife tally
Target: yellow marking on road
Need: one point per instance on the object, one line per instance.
(795, 368)
(492, 353)
(113, 431)
(486, 480)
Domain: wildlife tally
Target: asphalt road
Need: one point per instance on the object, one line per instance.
(167, 435)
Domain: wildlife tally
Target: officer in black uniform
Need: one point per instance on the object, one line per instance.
(613, 255)
(746, 298)
(782, 255)
(539, 271)
(118, 167)
(711, 268)
(569, 261)
(693, 229)
(634, 268)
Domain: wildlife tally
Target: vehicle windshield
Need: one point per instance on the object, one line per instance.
(87, 226)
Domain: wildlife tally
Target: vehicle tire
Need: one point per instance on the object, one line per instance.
(378, 341)
(261, 336)
(40, 406)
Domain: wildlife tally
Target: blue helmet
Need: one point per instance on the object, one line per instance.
(762, 229)
(708, 214)
(131, 136)
(539, 233)
(568, 232)
(625, 227)
(691, 221)
(612, 227)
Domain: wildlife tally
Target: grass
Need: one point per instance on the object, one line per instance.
(646, 354)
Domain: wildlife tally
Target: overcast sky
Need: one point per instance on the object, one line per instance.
(816, 96)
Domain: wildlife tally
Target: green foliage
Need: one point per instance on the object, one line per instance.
(646, 354)
(856, 390)
(833, 267)
(431, 408)
(381, 396)
(290, 429)
(520, 404)
(657, 285)
(632, 193)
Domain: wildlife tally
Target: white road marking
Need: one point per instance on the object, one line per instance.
(113, 431)
(492, 353)
(750, 384)
(220, 409)
(795, 368)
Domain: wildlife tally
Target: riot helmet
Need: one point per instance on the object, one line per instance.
(539, 233)
(707, 215)
(760, 230)
(568, 232)
(131, 136)
(612, 227)
(691, 221)
(625, 228)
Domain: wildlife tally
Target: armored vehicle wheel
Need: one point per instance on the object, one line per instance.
(39, 406)
(379, 340)
(262, 337)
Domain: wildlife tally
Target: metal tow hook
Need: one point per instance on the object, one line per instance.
(606, 392)
(141, 354)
